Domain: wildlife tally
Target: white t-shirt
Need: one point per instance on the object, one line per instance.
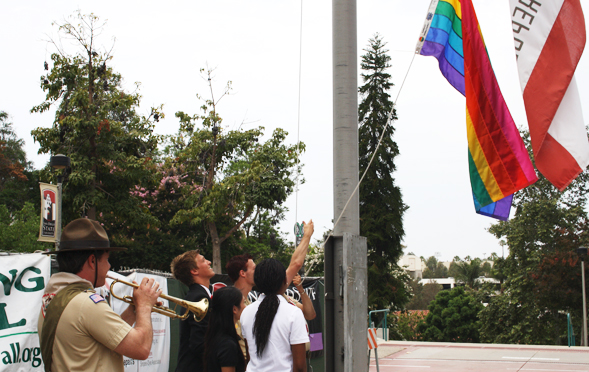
(288, 328)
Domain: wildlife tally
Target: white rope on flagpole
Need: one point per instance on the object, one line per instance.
(389, 120)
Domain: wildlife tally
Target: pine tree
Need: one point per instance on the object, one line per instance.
(381, 202)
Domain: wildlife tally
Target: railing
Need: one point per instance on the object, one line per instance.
(570, 333)
(382, 324)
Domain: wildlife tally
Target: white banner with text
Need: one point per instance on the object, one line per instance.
(159, 358)
(23, 278)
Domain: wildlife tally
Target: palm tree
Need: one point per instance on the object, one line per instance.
(467, 272)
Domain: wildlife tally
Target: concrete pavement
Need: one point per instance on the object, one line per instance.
(435, 356)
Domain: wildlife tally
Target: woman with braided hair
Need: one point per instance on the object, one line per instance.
(275, 330)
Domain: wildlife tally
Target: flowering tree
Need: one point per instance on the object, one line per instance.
(155, 244)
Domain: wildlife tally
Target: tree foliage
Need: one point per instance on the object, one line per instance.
(381, 202)
(98, 126)
(434, 269)
(203, 186)
(19, 182)
(232, 177)
(154, 245)
(404, 325)
(392, 284)
(543, 278)
(19, 230)
(468, 272)
(452, 317)
(423, 295)
(13, 160)
(262, 239)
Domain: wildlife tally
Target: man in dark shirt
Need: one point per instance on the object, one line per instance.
(192, 269)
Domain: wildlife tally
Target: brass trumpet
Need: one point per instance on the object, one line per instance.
(198, 309)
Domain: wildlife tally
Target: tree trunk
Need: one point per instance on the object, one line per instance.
(216, 248)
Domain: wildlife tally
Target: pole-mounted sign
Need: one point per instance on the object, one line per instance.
(49, 212)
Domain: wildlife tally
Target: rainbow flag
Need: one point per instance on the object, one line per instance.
(498, 161)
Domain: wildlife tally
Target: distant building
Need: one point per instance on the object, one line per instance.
(449, 283)
(413, 265)
(446, 283)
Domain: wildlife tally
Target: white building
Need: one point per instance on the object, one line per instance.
(449, 283)
(413, 265)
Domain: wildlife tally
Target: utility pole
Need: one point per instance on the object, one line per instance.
(582, 252)
(59, 163)
(346, 279)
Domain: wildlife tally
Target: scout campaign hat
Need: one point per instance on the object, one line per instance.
(84, 234)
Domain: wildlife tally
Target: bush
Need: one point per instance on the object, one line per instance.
(453, 317)
(19, 231)
(404, 325)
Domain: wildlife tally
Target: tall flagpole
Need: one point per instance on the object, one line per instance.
(345, 252)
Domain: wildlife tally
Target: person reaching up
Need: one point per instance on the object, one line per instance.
(275, 330)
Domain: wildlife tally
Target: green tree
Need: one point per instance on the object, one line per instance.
(97, 125)
(498, 270)
(393, 285)
(453, 270)
(263, 240)
(486, 269)
(403, 325)
(423, 294)
(232, 176)
(468, 272)
(19, 182)
(452, 317)
(154, 245)
(434, 269)
(315, 261)
(13, 159)
(19, 230)
(542, 237)
(513, 317)
(381, 202)
(532, 306)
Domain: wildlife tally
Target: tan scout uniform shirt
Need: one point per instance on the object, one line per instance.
(86, 335)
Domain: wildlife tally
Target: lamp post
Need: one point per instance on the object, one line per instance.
(582, 252)
(59, 163)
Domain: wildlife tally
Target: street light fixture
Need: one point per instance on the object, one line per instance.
(59, 163)
(582, 252)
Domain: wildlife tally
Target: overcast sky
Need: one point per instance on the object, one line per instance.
(257, 45)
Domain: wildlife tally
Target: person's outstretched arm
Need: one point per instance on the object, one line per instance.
(308, 309)
(298, 257)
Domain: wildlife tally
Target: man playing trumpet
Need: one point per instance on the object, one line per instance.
(78, 330)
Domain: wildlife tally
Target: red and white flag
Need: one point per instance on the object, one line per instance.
(549, 38)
